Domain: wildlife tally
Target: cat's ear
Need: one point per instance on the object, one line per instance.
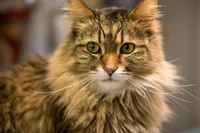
(146, 10)
(77, 9)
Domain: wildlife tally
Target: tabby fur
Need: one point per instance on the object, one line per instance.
(58, 94)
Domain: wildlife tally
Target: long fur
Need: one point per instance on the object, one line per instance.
(62, 94)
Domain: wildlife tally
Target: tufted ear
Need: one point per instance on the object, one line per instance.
(77, 9)
(146, 10)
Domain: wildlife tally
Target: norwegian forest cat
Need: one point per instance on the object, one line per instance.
(108, 76)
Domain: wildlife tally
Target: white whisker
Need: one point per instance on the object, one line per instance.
(181, 105)
(67, 77)
(171, 61)
(169, 95)
(53, 92)
(189, 93)
(180, 99)
(153, 79)
(82, 81)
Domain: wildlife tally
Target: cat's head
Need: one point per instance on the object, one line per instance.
(113, 49)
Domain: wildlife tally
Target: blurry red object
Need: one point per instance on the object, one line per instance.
(17, 14)
(13, 29)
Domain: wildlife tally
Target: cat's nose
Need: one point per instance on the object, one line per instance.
(110, 70)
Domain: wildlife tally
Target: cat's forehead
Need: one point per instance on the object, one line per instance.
(109, 26)
(110, 22)
(112, 15)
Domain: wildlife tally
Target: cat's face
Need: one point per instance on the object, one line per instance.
(114, 48)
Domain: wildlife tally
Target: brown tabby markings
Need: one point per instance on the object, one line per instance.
(63, 94)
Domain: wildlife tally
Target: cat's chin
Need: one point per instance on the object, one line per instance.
(110, 85)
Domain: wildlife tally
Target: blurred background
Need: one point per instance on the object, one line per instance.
(28, 27)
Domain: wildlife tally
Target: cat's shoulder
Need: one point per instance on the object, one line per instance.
(33, 64)
(33, 68)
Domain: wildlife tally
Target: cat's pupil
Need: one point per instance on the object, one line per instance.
(92, 46)
(126, 46)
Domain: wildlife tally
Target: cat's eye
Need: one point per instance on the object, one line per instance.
(93, 47)
(127, 48)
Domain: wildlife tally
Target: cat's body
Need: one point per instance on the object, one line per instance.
(25, 109)
(117, 85)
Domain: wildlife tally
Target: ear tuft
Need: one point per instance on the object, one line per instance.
(145, 10)
(77, 9)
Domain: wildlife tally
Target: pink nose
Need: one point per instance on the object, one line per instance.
(110, 70)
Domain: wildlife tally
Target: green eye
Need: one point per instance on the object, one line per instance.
(93, 47)
(127, 48)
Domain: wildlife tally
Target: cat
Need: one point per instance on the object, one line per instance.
(108, 76)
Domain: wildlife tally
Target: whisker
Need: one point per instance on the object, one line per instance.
(171, 61)
(180, 99)
(189, 93)
(181, 105)
(67, 77)
(166, 93)
(150, 83)
(178, 86)
(68, 80)
(166, 83)
(170, 95)
(53, 92)
(85, 80)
